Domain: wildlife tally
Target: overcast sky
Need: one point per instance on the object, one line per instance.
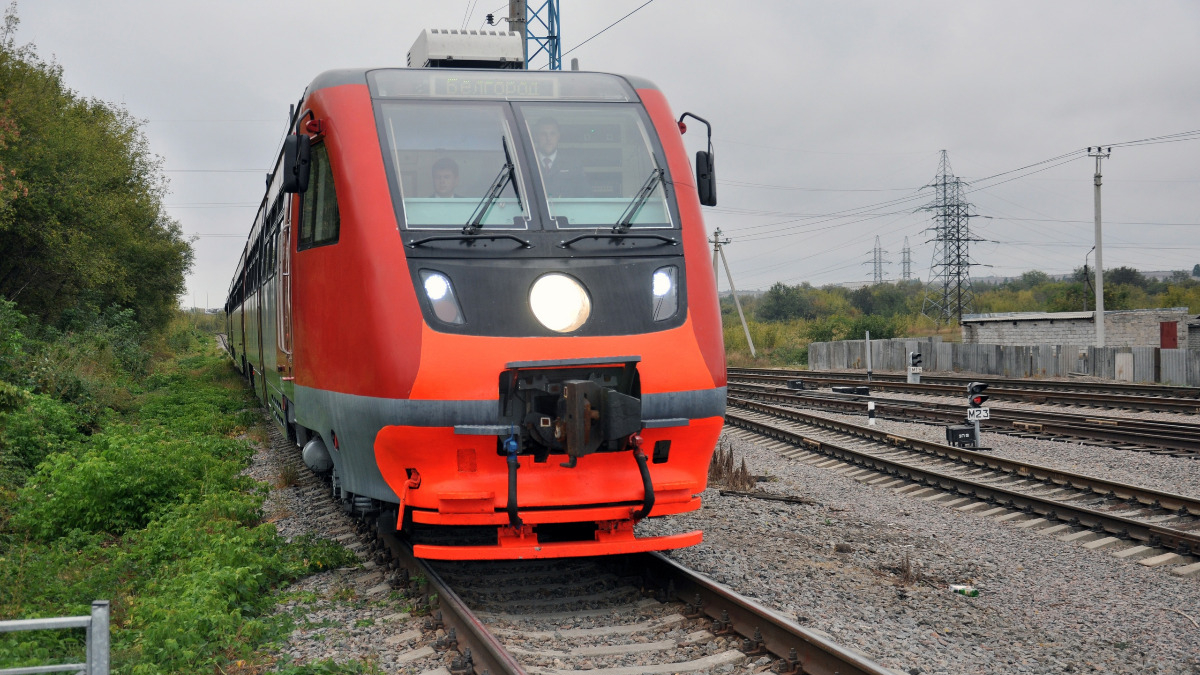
(820, 109)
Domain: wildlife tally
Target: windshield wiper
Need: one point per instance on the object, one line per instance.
(618, 236)
(508, 174)
(471, 239)
(647, 189)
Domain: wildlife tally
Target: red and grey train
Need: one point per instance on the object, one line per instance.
(481, 300)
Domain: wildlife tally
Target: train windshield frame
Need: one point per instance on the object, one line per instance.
(607, 172)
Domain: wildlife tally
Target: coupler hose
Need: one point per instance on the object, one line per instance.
(647, 485)
(511, 445)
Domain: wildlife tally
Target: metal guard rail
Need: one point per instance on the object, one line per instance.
(97, 626)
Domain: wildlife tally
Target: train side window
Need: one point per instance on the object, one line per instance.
(319, 219)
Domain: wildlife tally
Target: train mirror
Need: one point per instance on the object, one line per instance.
(297, 153)
(706, 177)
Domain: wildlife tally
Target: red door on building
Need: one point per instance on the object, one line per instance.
(1168, 334)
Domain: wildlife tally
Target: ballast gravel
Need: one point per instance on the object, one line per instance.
(872, 569)
(353, 613)
(867, 567)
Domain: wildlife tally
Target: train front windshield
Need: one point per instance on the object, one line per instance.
(459, 158)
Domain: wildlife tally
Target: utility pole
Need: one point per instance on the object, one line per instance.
(516, 24)
(1099, 154)
(718, 243)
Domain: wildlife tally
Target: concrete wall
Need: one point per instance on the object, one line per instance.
(1135, 364)
(1132, 328)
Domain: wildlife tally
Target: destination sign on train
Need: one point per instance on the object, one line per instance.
(495, 85)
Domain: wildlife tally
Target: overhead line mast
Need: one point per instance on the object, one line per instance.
(541, 26)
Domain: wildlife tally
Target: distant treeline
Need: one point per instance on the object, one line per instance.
(785, 319)
(82, 223)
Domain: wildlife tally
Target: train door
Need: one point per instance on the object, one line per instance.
(283, 299)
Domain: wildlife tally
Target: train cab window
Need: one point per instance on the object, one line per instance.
(598, 165)
(319, 220)
(455, 164)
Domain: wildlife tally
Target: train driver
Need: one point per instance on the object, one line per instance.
(445, 179)
(562, 173)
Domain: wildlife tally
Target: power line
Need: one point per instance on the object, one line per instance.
(607, 27)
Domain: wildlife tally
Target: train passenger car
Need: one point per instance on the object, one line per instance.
(482, 301)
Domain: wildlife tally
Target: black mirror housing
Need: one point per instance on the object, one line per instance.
(706, 177)
(297, 155)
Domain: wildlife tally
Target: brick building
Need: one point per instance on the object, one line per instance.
(1169, 328)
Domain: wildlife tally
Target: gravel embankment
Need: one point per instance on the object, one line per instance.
(872, 569)
(346, 614)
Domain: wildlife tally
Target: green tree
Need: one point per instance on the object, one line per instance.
(1196, 270)
(1127, 276)
(784, 303)
(81, 214)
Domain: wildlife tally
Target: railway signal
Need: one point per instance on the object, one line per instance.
(975, 410)
(914, 367)
(975, 396)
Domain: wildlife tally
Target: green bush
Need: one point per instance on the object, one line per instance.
(150, 511)
(123, 478)
(212, 570)
(41, 427)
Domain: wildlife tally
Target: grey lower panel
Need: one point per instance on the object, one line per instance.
(358, 419)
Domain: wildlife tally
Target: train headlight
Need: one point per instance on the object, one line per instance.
(559, 302)
(441, 296)
(664, 292)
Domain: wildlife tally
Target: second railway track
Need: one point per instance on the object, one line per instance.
(1002, 392)
(1176, 438)
(1162, 526)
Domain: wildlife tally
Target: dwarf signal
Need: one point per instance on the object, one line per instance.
(914, 367)
(975, 396)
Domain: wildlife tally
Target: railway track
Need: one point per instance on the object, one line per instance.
(1173, 438)
(1186, 405)
(627, 615)
(1129, 388)
(1155, 527)
(640, 614)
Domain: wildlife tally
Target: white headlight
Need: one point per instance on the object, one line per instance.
(440, 292)
(665, 300)
(662, 283)
(559, 302)
(436, 286)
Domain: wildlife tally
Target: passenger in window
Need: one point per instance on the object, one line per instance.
(562, 173)
(445, 179)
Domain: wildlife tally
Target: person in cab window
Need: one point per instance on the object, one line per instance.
(445, 179)
(562, 173)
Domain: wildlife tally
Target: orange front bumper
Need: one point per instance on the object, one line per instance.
(463, 480)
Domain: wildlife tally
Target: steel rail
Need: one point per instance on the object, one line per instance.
(487, 654)
(1168, 435)
(814, 654)
(1047, 508)
(1160, 390)
(1124, 401)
